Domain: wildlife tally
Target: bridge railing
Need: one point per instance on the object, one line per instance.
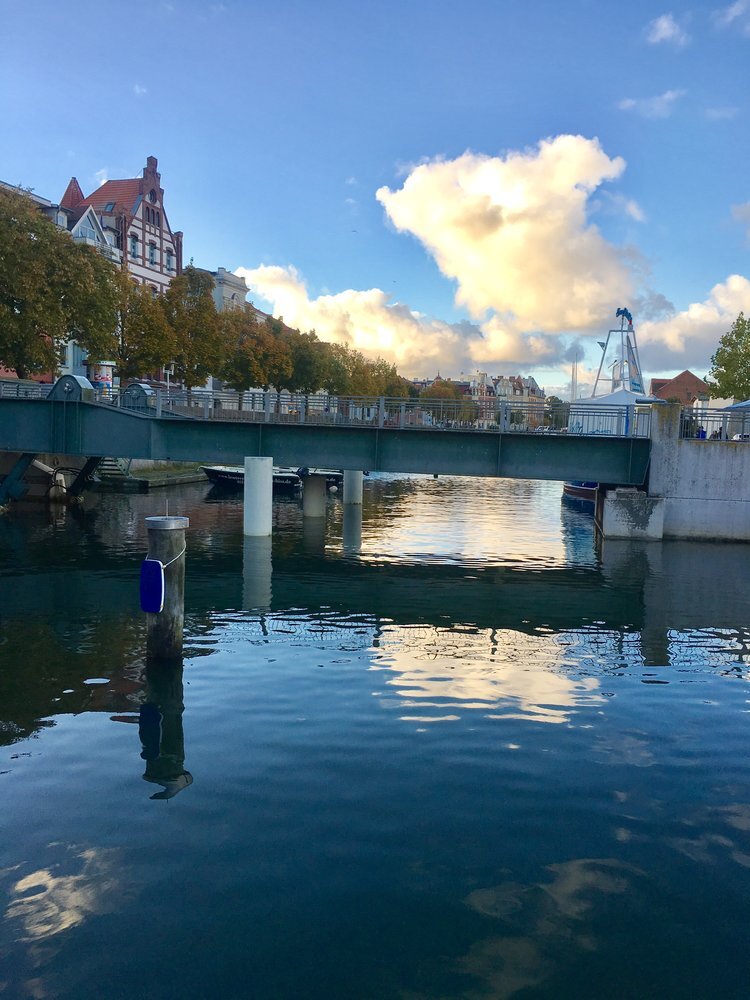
(482, 415)
(715, 425)
(478, 415)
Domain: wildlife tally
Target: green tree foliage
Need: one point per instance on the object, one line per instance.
(445, 399)
(246, 355)
(51, 289)
(276, 356)
(199, 345)
(309, 362)
(729, 376)
(556, 412)
(145, 340)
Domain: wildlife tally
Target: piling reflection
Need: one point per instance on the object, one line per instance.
(257, 573)
(160, 730)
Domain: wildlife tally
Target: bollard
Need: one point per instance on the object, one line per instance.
(166, 544)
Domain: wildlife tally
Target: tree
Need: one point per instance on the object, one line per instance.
(51, 290)
(245, 357)
(557, 412)
(199, 349)
(729, 376)
(445, 398)
(145, 340)
(309, 360)
(276, 357)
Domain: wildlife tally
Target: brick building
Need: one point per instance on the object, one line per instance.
(685, 387)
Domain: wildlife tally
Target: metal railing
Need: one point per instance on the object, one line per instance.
(715, 425)
(478, 415)
(483, 415)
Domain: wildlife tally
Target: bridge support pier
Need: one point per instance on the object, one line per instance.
(314, 496)
(631, 513)
(257, 519)
(352, 486)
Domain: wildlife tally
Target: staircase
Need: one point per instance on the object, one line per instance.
(114, 470)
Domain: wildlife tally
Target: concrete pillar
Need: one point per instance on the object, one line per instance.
(166, 542)
(314, 496)
(352, 487)
(258, 496)
(256, 574)
(352, 529)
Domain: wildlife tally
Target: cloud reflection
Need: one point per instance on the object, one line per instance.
(505, 674)
(48, 901)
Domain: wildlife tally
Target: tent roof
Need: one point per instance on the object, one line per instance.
(745, 405)
(620, 397)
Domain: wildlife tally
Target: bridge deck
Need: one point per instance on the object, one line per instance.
(96, 429)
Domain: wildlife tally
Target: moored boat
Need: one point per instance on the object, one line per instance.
(284, 480)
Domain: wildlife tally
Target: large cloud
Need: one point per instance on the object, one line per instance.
(366, 320)
(690, 337)
(513, 232)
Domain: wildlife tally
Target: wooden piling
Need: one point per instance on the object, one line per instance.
(166, 542)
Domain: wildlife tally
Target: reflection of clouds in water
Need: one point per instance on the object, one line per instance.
(545, 924)
(48, 901)
(508, 675)
(730, 836)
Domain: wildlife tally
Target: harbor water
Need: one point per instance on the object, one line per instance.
(457, 749)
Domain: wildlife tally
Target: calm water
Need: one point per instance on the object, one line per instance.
(456, 752)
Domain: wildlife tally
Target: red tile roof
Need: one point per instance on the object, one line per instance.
(73, 195)
(124, 194)
(686, 387)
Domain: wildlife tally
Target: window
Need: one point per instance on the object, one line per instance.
(170, 261)
(133, 246)
(152, 253)
(109, 207)
(158, 218)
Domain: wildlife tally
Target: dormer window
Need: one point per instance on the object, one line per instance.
(109, 207)
(133, 246)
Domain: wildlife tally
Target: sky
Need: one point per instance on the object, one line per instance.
(453, 186)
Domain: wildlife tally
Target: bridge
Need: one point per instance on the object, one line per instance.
(466, 438)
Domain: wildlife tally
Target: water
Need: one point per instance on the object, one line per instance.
(457, 753)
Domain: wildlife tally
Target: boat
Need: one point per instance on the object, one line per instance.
(285, 480)
(621, 387)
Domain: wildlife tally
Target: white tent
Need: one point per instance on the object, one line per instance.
(613, 413)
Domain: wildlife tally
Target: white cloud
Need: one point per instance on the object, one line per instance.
(367, 320)
(101, 176)
(513, 233)
(350, 180)
(139, 90)
(660, 106)
(689, 338)
(666, 29)
(741, 213)
(737, 14)
(721, 114)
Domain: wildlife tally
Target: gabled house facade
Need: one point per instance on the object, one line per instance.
(132, 215)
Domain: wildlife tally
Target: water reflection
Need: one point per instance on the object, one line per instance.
(161, 733)
(83, 882)
(546, 924)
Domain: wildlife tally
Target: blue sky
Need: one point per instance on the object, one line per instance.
(455, 186)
